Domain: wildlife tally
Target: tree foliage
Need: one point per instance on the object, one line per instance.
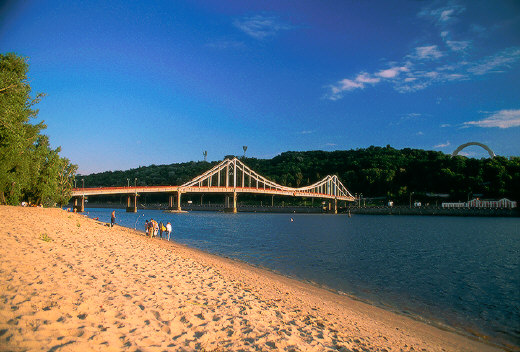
(30, 170)
(375, 172)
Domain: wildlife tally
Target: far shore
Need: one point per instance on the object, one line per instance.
(71, 283)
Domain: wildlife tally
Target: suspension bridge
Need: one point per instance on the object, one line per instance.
(230, 177)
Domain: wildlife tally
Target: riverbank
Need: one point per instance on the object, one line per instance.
(71, 283)
(436, 211)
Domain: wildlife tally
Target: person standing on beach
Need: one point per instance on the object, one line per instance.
(168, 229)
(161, 227)
(155, 228)
(146, 227)
(113, 218)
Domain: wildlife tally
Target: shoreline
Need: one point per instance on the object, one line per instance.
(383, 210)
(110, 277)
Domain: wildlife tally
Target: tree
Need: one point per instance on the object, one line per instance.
(29, 169)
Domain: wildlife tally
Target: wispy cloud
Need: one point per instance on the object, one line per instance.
(429, 52)
(496, 63)
(306, 132)
(443, 15)
(426, 65)
(260, 26)
(442, 145)
(345, 85)
(500, 119)
(392, 72)
(458, 45)
(407, 118)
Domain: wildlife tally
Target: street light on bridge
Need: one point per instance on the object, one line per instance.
(128, 182)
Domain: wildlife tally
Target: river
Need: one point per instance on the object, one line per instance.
(461, 272)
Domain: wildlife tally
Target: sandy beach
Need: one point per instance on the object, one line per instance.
(69, 283)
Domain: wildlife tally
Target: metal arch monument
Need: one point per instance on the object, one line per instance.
(490, 152)
(229, 177)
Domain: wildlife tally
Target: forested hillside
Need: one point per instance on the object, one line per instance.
(374, 172)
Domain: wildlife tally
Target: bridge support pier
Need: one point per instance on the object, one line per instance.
(171, 200)
(79, 204)
(129, 207)
(228, 208)
(179, 201)
(332, 206)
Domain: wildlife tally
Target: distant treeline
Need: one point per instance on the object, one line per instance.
(376, 172)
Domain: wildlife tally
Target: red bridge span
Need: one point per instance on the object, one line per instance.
(230, 177)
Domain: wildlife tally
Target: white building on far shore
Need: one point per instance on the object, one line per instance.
(477, 203)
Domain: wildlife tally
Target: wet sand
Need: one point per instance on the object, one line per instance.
(69, 283)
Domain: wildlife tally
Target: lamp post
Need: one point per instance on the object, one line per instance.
(83, 180)
(128, 182)
(245, 148)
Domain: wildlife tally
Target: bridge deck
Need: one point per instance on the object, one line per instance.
(96, 191)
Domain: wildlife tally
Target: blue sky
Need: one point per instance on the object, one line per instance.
(133, 83)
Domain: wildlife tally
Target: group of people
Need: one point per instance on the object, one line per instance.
(153, 228)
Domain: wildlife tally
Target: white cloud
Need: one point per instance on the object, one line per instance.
(366, 78)
(427, 65)
(444, 125)
(500, 119)
(458, 45)
(392, 72)
(420, 133)
(441, 16)
(261, 27)
(497, 62)
(429, 52)
(442, 145)
(346, 85)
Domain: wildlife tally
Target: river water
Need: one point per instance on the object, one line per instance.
(449, 271)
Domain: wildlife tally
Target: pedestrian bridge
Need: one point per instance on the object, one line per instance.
(230, 177)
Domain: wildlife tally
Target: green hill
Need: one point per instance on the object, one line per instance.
(382, 172)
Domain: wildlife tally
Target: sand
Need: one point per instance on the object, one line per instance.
(69, 283)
